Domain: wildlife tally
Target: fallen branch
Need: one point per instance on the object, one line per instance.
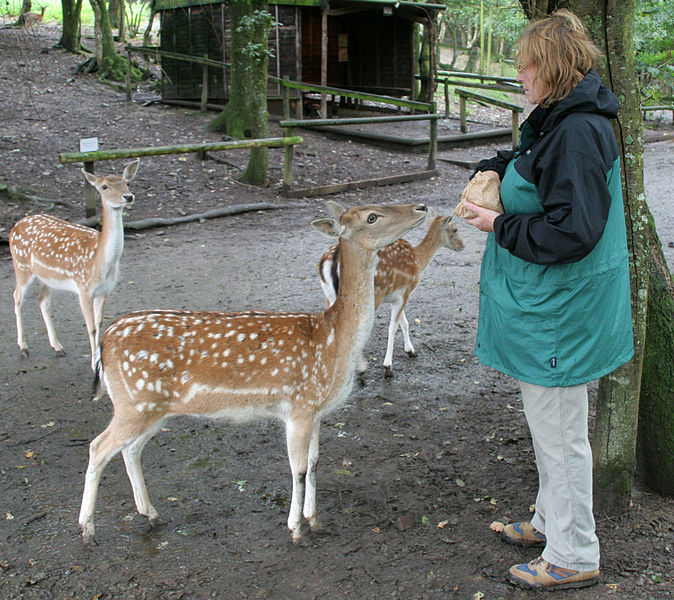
(165, 221)
(209, 214)
(16, 193)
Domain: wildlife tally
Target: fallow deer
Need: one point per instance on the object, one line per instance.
(67, 256)
(31, 19)
(398, 273)
(295, 367)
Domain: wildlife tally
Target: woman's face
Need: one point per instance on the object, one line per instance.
(526, 75)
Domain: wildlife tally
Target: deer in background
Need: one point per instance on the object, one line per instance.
(398, 273)
(66, 256)
(31, 19)
(294, 367)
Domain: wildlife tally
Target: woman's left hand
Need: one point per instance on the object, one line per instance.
(484, 219)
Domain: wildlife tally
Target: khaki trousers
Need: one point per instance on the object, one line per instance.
(557, 418)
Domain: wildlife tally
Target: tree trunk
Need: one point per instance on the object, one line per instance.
(655, 442)
(425, 93)
(110, 64)
(71, 40)
(649, 376)
(246, 114)
(618, 403)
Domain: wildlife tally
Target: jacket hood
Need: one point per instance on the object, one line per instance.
(589, 96)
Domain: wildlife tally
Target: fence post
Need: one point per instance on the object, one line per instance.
(516, 129)
(288, 162)
(286, 100)
(89, 192)
(446, 98)
(204, 86)
(462, 114)
(128, 74)
(433, 140)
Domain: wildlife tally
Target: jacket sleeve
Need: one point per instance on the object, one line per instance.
(497, 163)
(571, 183)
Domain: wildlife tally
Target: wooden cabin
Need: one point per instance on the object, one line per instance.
(369, 45)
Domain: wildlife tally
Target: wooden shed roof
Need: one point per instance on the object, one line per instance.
(407, 5)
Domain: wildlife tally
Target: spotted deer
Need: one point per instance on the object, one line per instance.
(31, 19)
(398, 273)
(67, 256)
(294, 367)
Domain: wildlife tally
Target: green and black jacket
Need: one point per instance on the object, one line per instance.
(554, 287)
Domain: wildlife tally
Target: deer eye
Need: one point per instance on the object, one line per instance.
(104, 187)
(371, 218)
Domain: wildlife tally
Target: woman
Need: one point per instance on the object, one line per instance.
(555, 288)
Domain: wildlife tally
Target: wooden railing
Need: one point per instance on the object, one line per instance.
(89, 158)
(466, 95)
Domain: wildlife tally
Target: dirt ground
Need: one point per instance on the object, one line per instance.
(413, 470)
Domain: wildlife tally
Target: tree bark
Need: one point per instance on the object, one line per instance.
(648, 378)
(246, 114)
(655, 441)
(110, 65)
(71, 40)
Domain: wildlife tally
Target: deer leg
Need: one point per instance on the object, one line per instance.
(310, 492)
(405, 326)
(87, 306)
(298, 436)
(44, 299)
(99, 307)
(134, 470)
(19, 291)
(396, 309)
(101, 450)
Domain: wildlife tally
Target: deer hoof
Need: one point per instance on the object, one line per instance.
(25, 353)
(60, 352)
(388, 371)
(412, 353)
(87, 534)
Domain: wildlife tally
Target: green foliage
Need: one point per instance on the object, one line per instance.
(654, 41)
(249, 24)
(138, 11)
(507, 21)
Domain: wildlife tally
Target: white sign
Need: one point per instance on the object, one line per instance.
(89, 144)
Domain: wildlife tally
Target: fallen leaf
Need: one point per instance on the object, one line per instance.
(460, 482)
(612, 586)
(343, 472)
(30, 454)
(9, 516)
(443, 524)
(497, 526)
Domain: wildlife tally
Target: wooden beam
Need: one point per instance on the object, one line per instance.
(364, 183)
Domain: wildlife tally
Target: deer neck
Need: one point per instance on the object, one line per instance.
(110, 241)
(354, 307)
(427, 248)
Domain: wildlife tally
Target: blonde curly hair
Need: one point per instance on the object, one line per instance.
(560, 50)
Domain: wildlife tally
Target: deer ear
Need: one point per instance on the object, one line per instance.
(448, 219)
(335, 209)
(89, 177)
(130, 170)
(431, 214)
(329, 227)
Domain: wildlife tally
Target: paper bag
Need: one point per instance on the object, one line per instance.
(483, 190)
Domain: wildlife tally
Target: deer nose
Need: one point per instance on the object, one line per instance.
(421, 208)
(128, 198)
